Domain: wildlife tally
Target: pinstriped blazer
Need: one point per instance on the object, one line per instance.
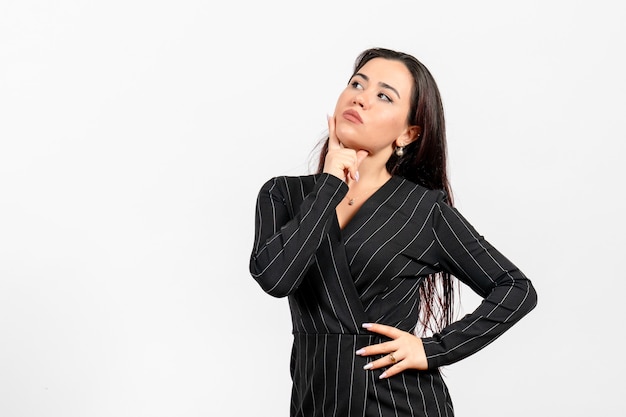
(369, 271)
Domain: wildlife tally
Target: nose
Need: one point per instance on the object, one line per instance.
(360, 100)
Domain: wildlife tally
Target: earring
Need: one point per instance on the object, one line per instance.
(400, 151)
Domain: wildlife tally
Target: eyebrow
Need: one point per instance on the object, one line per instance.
(384, 85)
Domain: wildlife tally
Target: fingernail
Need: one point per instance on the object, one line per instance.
(383, 375)
(366, 325)
(360, 351)
(368, 366)
(357, 176)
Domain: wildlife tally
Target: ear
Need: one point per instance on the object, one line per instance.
(410, 134)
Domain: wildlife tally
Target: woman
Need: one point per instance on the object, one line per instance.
(365, 250)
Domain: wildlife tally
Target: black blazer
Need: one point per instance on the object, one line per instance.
(370, 272)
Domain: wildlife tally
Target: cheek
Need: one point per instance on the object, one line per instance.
(341, 101)
(392, 123)
(345, 132)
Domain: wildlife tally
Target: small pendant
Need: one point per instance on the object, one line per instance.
(351, 202)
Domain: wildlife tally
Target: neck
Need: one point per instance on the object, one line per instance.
(369, 179)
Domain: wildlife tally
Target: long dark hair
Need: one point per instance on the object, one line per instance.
(424, 162)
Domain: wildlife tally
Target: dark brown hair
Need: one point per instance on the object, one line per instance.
(423, 162)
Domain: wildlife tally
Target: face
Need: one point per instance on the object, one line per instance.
(372, 112)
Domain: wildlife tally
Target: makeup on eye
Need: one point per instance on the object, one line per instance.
(385, 97)
(358, 85)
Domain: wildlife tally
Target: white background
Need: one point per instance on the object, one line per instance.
(135, 134)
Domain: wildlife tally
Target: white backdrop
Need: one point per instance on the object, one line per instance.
(135, 134)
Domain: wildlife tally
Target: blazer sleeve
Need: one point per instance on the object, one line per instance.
(285, 241)
(507, 293)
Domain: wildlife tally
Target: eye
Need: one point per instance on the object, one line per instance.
(385, 97)
(356, 84)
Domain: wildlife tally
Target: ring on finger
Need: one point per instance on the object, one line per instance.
(392, 358)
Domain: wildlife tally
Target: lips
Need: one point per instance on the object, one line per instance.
(352, 116)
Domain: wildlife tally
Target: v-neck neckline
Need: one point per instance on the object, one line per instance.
(367, 202)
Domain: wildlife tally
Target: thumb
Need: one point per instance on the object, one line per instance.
(360, 156)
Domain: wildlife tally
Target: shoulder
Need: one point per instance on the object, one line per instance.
(415, 192)
(291, 182)
(287, 187)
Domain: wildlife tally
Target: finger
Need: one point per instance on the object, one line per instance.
(389, 372)
(383, 329)
(333, 141)
(360, 156)
(391, 361)
(378, 349)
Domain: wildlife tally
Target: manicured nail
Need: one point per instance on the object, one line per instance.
(383, 375)
(366, 325)
(356, 177)
(360, 351)
(368, 366)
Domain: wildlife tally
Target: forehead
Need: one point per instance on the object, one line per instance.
(388, 71)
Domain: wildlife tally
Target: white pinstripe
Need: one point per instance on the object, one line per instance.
(298, 252)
